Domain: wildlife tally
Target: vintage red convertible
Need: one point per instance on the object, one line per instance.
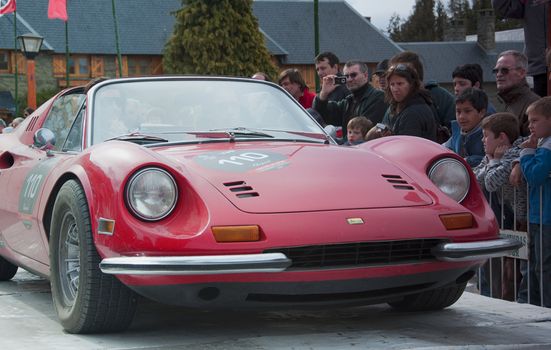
(224, 192)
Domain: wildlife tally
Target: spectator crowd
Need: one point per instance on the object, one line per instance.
(508, 147)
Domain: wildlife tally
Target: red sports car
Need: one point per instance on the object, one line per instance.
(224, 192)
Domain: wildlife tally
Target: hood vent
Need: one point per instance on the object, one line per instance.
(398, 183)
(241, 189)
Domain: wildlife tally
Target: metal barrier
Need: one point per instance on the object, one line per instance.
(510, 278)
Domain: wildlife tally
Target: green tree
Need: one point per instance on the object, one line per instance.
(217, 37)
(420, 26)
(394, 27)
(441, 20)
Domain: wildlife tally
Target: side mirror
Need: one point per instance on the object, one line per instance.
(44, 139)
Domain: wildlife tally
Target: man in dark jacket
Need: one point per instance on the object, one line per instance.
(364, 100)
(534, 15)
(327, 63)
(512, 90)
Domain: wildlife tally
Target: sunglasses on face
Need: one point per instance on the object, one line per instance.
(401, 68)
(351, 75)
(503, 70)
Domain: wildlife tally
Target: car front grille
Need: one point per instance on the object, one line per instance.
(360, 254)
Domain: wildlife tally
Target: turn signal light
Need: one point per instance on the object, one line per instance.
(225, 234)
(457, 221)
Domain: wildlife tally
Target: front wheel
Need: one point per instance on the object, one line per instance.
(434, 299)
(85, 299)
(7, 270)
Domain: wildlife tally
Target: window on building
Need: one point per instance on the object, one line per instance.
(138, 66)
(79, 66)
(4, 61)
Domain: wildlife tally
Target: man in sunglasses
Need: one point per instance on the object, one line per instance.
(512, 89)
(364, 99)
(533, 14)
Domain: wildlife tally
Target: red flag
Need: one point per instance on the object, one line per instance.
(7, 7)
(57, 9)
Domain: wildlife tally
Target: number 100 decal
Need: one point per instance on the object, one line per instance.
(238, 161)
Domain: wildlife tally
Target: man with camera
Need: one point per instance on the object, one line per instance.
(364, 100)
(327, 63)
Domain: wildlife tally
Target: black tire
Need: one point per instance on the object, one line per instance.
(435, 299)
(7, 270)
(85, 299)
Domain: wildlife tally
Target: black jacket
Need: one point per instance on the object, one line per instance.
(366, 101)
(416, 119)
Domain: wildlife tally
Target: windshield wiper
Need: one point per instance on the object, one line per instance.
(243, 132)
(139, 138)
(231, 134)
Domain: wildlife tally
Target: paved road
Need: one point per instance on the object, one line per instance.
(27, 321)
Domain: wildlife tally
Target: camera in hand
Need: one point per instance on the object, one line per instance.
(340, 80)
(381, 126)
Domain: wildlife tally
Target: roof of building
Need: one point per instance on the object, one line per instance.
(144, 27)
(503, 35)
(440, 58)
(342, 30)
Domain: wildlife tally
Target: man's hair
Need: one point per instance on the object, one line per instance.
(363, 66)
(520, 58)
(477, 98)
(294, 77)
(470, 71)
(94, 82)
(502, 122)
(361, 123)
(28, 111)
(410, 58)
(541, 107)
(331, 57)
(265, 75)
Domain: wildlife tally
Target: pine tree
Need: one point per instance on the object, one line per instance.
(420, 24)
(441, 20)
(217, 37)
(394, 27)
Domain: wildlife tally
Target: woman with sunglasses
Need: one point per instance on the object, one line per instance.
(410, 110)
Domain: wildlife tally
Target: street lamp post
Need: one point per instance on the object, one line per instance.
(30, 46)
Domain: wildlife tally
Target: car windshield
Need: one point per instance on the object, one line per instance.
(195, 110)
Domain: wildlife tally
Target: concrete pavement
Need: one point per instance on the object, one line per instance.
(28, 321)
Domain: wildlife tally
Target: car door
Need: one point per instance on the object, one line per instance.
(26, 177)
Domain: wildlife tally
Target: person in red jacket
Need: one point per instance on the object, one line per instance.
(291, 80)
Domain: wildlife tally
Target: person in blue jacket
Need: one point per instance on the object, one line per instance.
(535, 162)
(466, 139)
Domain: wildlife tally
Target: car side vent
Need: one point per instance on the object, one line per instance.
(397, 182)
(241, 189)
(31, 124)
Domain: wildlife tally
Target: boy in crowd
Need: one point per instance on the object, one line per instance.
(535, 162)
(466, 139)
(467, 76)
(501, 140)
(357, 128)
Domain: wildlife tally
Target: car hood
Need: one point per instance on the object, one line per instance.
(301, 177)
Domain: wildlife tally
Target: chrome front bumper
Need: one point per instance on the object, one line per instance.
(479, 250)
(195, 265)
(277, 262)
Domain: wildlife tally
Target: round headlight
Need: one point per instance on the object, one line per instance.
(451, 177)
(151, 194)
